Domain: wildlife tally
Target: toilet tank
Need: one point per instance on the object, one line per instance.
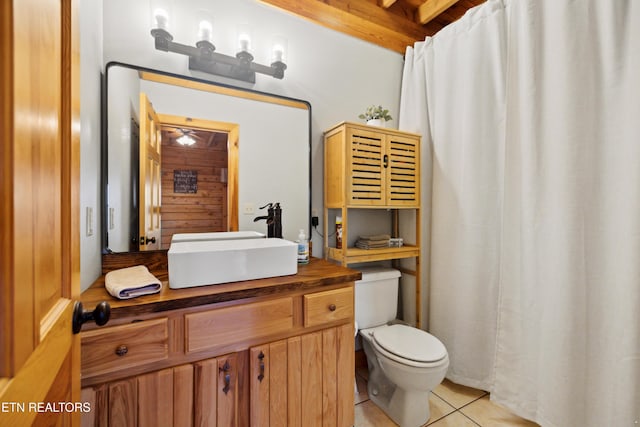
(376, 299)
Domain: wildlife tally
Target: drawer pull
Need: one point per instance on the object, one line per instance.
(332, 307)
(227, 383)
(261, 357)
(122, 350)
(227, 377)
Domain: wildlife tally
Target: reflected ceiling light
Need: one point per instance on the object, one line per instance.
(203, 57)
(186, 140)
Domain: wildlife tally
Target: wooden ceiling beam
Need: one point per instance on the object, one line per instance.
(393, 24)
(361, 19)
(386, 3)
(432, 8)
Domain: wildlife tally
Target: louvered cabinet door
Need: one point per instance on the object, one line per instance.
(365, 168)
(402, 171)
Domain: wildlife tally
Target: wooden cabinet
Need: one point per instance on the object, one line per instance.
(203, 393)
(304, 381)
(369, 167)
(282, 359)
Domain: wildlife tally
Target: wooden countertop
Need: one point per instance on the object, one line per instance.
(317, 273)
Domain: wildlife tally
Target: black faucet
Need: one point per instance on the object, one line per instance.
(273, 218)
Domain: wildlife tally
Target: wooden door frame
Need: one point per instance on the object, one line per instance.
(149, 177)
(233, 132)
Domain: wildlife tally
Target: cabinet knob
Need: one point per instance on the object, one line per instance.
(100, 315)
(122, 350)
(332, 307)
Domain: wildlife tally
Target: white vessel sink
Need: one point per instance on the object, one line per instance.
(212, 262)
(221, 235)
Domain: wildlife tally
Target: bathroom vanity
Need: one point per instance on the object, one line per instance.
(268, 352)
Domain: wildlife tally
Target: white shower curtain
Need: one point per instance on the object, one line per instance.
(533, 116)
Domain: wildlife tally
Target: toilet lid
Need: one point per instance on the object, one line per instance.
(410, 343)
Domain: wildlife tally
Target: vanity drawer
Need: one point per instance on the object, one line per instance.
(222, 327)
(328, 306)
(121, 347)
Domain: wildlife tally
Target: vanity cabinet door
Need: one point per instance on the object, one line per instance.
(203, 394)
(216, 395)
(160, 398)
(304, 381)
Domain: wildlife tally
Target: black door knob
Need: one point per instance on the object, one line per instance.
(100, 315)
(145, 240)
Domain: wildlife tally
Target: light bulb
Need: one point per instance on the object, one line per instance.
(278, 49)
(244, 38)
(162, 19)
(205, 31)
(278, 52)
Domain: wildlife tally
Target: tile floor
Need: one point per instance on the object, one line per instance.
(452, 405)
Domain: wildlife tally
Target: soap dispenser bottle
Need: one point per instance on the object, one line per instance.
(303, 248)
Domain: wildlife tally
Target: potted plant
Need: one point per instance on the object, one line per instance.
(376, 115)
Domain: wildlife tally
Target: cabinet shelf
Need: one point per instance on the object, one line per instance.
(354, 255)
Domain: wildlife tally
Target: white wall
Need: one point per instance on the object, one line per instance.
(338, 74)
(90, 68)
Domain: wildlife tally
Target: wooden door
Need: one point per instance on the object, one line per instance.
(39, 219)
(150, 232)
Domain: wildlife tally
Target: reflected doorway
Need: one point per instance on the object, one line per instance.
(199, 176)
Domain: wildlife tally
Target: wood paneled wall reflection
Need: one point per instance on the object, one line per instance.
(205, 210)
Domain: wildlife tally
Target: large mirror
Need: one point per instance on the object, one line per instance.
(241, 150)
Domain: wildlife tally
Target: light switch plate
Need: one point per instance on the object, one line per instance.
(89, 221)
(249, 209)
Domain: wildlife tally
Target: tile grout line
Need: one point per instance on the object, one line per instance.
(469, 403)
(468, 417)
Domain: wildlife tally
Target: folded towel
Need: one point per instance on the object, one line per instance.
(376, 237)
(364, 245)
(131, 282)
(374, 242)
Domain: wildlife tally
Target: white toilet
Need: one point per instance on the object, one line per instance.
(405, 363)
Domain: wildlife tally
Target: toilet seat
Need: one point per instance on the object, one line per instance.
(409, 346)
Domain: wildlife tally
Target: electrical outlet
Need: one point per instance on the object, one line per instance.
(314, 212)
(249, 209)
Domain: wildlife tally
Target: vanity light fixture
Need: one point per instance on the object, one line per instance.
(203, 57)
